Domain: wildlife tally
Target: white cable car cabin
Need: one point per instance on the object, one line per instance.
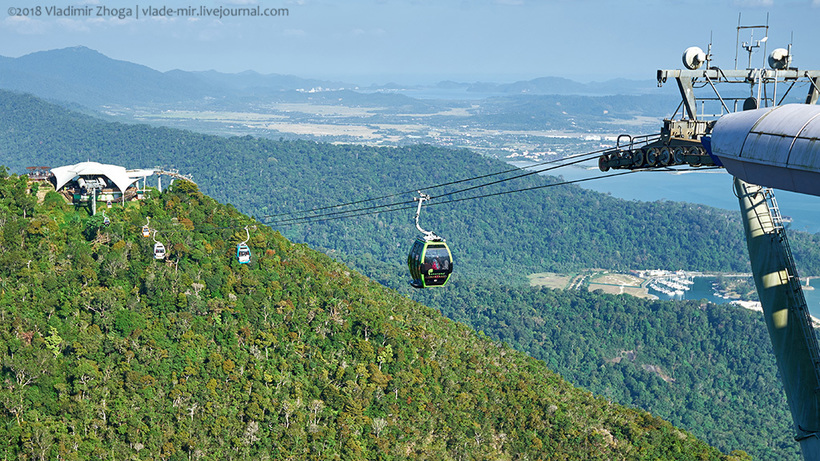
(243, 253)
(159, 251)
(159, 248)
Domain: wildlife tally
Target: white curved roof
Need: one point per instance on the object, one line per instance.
(116, 174)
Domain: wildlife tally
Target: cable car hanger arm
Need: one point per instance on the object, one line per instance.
(428, 235)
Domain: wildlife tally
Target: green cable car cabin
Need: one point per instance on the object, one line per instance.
(430, 263)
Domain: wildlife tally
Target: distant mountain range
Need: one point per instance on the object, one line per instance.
(542, 86)
(563, 86)
(84, 76)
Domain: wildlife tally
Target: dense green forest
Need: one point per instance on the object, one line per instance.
(554, 229)
(698, 365)
(108, 353)
(496, 242)
(706, 367)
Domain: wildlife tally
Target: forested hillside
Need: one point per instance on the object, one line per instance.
(555, 229)
(699, 365)
(706, 367)
(496, 242)
(109, 353)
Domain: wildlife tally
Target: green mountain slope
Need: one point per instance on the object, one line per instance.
(109, 353)
(706, 367)
(496, 242)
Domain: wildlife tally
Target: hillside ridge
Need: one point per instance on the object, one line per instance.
(264, 177)
(108, 352)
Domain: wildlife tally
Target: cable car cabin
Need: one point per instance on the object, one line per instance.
(159, 251)
(106, 221)
(243, 253)
(146, 231)
(430, 263)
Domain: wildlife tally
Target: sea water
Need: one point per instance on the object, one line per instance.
(707, 187)
(813, 299)
(700, 289)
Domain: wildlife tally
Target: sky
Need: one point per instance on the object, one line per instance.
(414, 41)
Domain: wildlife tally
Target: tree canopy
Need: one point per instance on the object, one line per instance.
(109, 353)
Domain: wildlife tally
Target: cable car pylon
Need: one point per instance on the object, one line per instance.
(430, 261)
(761, 142)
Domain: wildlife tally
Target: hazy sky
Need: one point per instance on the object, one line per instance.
(410, 41)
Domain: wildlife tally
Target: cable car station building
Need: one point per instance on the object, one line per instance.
(90, 182)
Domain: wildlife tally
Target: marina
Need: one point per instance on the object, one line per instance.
(718, 288)
(695, 286)
(689, 285)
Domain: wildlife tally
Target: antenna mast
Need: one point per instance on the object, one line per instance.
(752, 44)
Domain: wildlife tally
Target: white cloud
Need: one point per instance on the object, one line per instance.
(753, 3)
(373, 32)
(210, 35)
(25, 25)
(74, 25)
(161, 20)
(101, 22)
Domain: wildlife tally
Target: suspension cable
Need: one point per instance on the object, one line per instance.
(351, 214)
(355, 214)
(578, 158)
(459, 181)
